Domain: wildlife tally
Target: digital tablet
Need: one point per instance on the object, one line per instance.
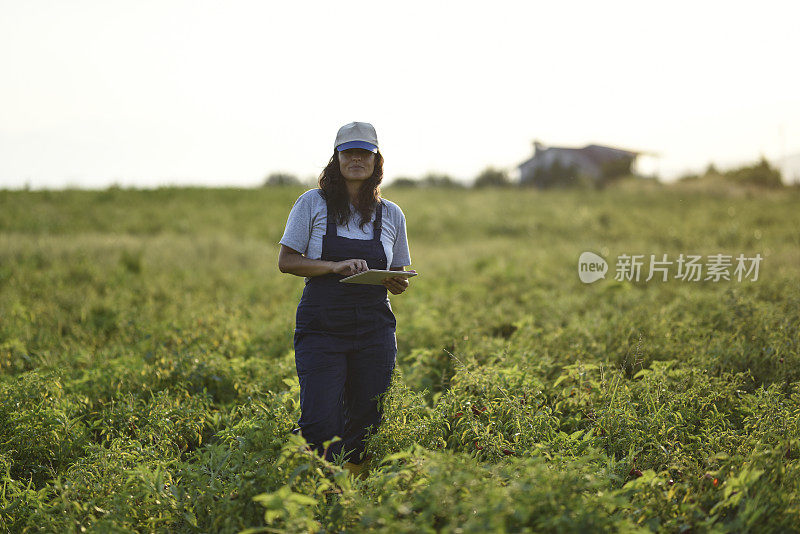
(375, 276)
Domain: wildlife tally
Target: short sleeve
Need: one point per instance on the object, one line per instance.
(298, 226)
(400, 253)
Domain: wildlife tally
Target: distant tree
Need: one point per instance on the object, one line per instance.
(616, 168)
(688, 177)
(491, 177)
(761, 174)
(711, 170)
(404, 181)
(281, 178)
(439, 180)
(557, 175)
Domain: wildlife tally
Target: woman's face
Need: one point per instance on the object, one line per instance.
(356, 164)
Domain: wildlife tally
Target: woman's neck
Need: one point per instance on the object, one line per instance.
(352, 191)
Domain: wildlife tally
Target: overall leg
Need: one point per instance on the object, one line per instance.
(369, 373)
(321, 369)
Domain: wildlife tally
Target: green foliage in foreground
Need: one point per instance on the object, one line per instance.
(147, 381)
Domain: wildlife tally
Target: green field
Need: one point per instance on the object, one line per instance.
(147, 379)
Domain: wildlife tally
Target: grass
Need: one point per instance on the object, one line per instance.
(147, 379)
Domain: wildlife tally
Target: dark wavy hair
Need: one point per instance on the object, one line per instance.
(334, 189)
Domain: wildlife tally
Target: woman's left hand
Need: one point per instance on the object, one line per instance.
(396, 284)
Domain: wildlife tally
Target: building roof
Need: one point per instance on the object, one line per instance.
(596, 154)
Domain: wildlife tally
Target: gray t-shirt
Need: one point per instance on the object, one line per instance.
(309, 218)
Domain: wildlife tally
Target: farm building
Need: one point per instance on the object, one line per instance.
(560, 166)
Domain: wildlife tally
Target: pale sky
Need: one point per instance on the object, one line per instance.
(145, 93)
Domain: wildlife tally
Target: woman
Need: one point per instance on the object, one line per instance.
(344, 340)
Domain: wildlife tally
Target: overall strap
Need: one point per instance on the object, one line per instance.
(376, 227)
(330, 228)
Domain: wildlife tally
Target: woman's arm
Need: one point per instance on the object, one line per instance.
(292, 262)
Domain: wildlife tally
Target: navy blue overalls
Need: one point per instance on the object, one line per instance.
(345, 348)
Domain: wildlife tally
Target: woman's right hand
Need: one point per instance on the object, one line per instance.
(350, 267)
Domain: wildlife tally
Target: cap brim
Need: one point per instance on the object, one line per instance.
(357, 144)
